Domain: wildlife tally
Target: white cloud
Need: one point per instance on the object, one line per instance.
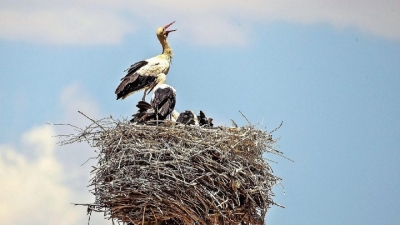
(63, 26)
(39, 180)
(226, 22)
(32, 192)
(377, 17)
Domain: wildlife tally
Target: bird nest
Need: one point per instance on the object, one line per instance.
(171, 173)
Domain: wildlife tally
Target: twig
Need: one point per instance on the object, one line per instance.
(92, 120)
(248, 121)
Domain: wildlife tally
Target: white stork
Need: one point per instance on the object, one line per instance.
(163, 99)
(162, 103)
(143, 74)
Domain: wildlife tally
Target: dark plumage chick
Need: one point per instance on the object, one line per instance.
(204, 121)
(188, 117)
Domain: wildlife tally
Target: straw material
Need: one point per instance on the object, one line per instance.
(168, 173)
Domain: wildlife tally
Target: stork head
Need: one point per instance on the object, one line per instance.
(163, 32)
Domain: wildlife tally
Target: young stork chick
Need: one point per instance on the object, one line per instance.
(188, 117)
(143, 74)
(161, 106)
(204, 121)
(163, 99)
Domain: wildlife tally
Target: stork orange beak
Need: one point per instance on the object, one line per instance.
(166, 26)
(168, 31)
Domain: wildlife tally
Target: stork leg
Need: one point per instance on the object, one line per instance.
(157, 115)
(144, 95)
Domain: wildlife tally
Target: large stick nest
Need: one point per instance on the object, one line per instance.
(179, 174)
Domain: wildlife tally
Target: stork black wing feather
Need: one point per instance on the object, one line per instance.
(135, 67)
(164, 101)
(131, 83)
(168, 107)
(141, 117)
(143, 106)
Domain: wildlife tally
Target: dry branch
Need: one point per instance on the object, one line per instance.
(180, 174)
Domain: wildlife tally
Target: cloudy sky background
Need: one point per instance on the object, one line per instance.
(328, 69)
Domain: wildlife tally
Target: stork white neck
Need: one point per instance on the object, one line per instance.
(162, 37)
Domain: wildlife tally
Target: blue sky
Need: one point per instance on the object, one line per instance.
(328, 69)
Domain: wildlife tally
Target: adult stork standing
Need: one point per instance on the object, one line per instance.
(144, 74)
